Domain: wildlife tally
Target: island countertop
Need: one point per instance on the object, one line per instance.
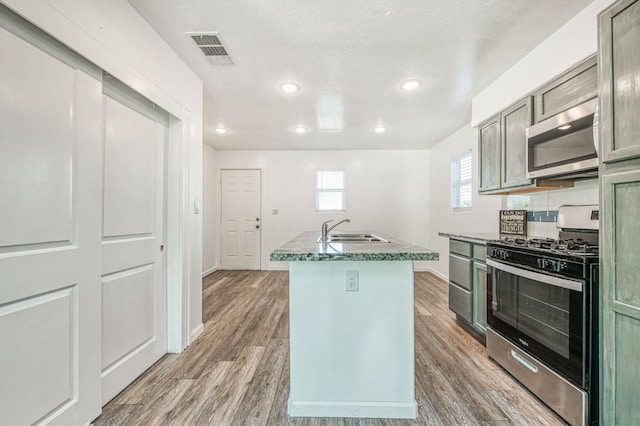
(305, 247)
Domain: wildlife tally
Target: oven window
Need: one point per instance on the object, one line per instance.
(539, 310)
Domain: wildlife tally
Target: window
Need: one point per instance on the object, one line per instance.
(461, 183)
(330, 191)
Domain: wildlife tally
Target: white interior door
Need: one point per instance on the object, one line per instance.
(241, 224)
(50, 186)
(133, 268)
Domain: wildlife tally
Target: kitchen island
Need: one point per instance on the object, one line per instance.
(351, 326)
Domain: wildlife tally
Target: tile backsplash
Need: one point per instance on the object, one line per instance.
(542, 213)
(542, 216)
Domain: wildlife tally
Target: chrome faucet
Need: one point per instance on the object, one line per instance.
(326, 228)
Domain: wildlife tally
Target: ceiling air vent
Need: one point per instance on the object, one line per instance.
(211, 47)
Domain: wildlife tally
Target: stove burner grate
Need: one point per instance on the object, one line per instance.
(572, 245)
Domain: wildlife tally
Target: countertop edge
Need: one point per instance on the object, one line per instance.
(471, 236)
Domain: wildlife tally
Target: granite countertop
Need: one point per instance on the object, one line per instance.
(482, 237)
(306, 248)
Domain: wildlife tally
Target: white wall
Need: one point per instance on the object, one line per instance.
(483, 216)
(115, 37)
(575, 41)
(387, 192)
(210, 218)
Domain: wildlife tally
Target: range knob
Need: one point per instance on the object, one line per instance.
(562, 266)
(550, 264)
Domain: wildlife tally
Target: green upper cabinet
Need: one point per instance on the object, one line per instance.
(489, 154)
(577, 85)
(619, 80)
(502, 143)
(514, 123)
(619, 50)
(502, 140)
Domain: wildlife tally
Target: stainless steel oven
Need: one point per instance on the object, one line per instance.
(542, 315)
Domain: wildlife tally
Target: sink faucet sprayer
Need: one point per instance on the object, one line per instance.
(326, 228)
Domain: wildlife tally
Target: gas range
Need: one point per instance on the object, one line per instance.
(570, 246)
(542, 311)
(569, 255)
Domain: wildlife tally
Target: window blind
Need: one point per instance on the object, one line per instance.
(330, 190)
(461, 187)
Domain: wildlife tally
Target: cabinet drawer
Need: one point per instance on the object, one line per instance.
(460, 271)
(460, 247)
(480, 252)
(460, 302)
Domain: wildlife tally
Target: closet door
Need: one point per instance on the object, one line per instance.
(50, 198)
(134, 325)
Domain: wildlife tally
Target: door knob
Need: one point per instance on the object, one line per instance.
(257, 226)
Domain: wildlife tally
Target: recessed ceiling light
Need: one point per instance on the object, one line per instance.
(289, 87)
(300, 129)
(380, 129)
(565, 127)
(411, 84)
(221, 130)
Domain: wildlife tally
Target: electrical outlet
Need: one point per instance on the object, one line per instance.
(351, 281)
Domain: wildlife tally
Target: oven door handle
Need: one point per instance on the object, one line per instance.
(547, 279)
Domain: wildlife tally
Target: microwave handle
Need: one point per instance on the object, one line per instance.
(596, 130)
(536, 276)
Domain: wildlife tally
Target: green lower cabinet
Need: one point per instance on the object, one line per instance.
(480, 296)
(468, 282)
(620, 297)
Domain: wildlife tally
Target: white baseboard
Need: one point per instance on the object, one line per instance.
(210, 271)
(438, 274)
(421, 268)
(390, 410)
(278, 267)
(195, 333)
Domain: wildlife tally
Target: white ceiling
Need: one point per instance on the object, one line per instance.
(349, 58)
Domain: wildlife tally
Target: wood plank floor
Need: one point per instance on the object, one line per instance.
(237, 372)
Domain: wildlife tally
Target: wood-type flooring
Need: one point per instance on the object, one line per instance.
(237, 372)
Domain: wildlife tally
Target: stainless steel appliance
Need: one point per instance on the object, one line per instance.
(563, 146)
(542, 311)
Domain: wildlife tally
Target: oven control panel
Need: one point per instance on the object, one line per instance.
(553, 265)
(497, 253)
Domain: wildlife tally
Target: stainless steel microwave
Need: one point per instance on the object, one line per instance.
(564, 146)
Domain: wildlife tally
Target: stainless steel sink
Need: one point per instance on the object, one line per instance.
(353, 238)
